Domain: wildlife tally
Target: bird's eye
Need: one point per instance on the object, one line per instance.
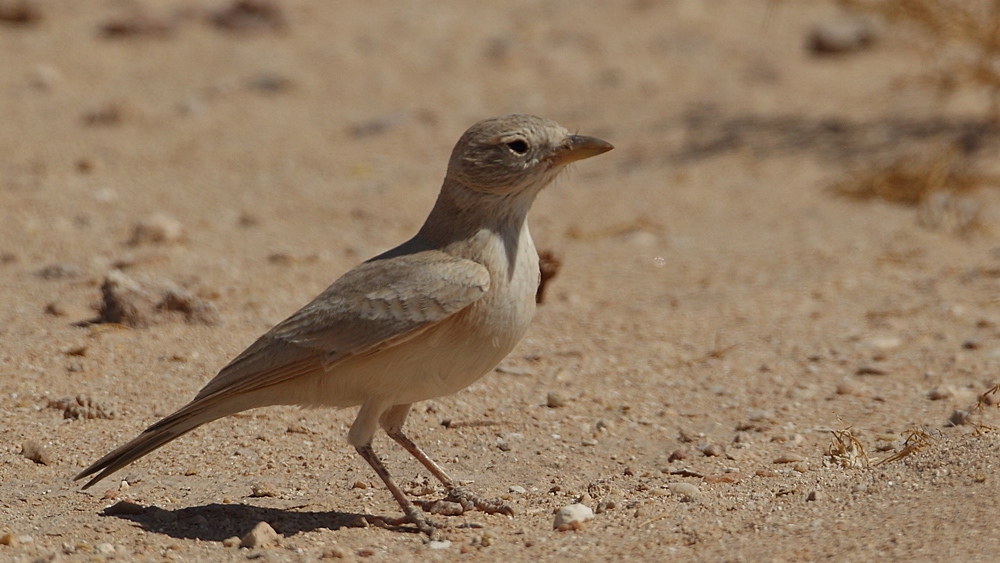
(519, 146)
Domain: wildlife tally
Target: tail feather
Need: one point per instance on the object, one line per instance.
(171, 427)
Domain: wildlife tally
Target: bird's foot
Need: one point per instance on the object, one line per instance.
(423, 524)
(459, 501)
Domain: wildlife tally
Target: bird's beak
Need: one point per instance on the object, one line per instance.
(579, 147)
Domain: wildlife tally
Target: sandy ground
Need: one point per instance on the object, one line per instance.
(718, 312)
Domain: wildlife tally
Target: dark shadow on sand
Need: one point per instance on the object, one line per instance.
(709, 134)
(216, 522)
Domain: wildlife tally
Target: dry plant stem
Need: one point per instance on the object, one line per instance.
(916, 440)
(847, 451)
(981, 402)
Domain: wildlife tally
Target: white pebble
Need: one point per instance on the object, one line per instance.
(687, 491)
(439, 544)
(105, 548)
(572, 515)
(262, 535)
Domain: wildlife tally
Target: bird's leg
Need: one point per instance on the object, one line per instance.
(412, 515)
(392, 422)
(455, 493)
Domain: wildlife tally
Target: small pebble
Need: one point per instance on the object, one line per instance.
(714, 450)
(56, 309)
(555, 400)
(841, 36)
(517, 489)
(958, 417)
(36, 452)
(733, 477)
(789, 457)
(231, 542)
(359, 485)
(105, 548)
(677, 455)
(9, 539)
(445, 544)
(259, 490)
(158, 228)
(815, 496)
(941, 392)
(250, 16)
(262, 536)
(57, 272)
(335, 552)
(572, 517)
(687, 491)
(883, 343)
(870, 370)
(446, 508)
(849, 387)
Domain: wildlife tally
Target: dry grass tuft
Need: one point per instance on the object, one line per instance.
(846, 451)
(964, 39)
(913, 178)
(988, 398)
(916, 440)
(941, 183)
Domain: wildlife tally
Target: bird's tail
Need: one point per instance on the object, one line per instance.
(181, 422)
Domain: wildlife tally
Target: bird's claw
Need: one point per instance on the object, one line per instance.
(469, 502)
(423, 524)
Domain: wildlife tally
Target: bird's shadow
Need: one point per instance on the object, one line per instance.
(216, 522)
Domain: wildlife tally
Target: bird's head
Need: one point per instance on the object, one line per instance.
(516, 154)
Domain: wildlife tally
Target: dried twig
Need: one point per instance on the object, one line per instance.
(916, 440)
(846, 451)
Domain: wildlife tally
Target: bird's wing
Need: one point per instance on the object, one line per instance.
(380, 303)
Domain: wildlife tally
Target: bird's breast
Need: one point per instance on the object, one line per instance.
(508, 307)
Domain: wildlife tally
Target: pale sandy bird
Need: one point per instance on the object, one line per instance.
(425, 319)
